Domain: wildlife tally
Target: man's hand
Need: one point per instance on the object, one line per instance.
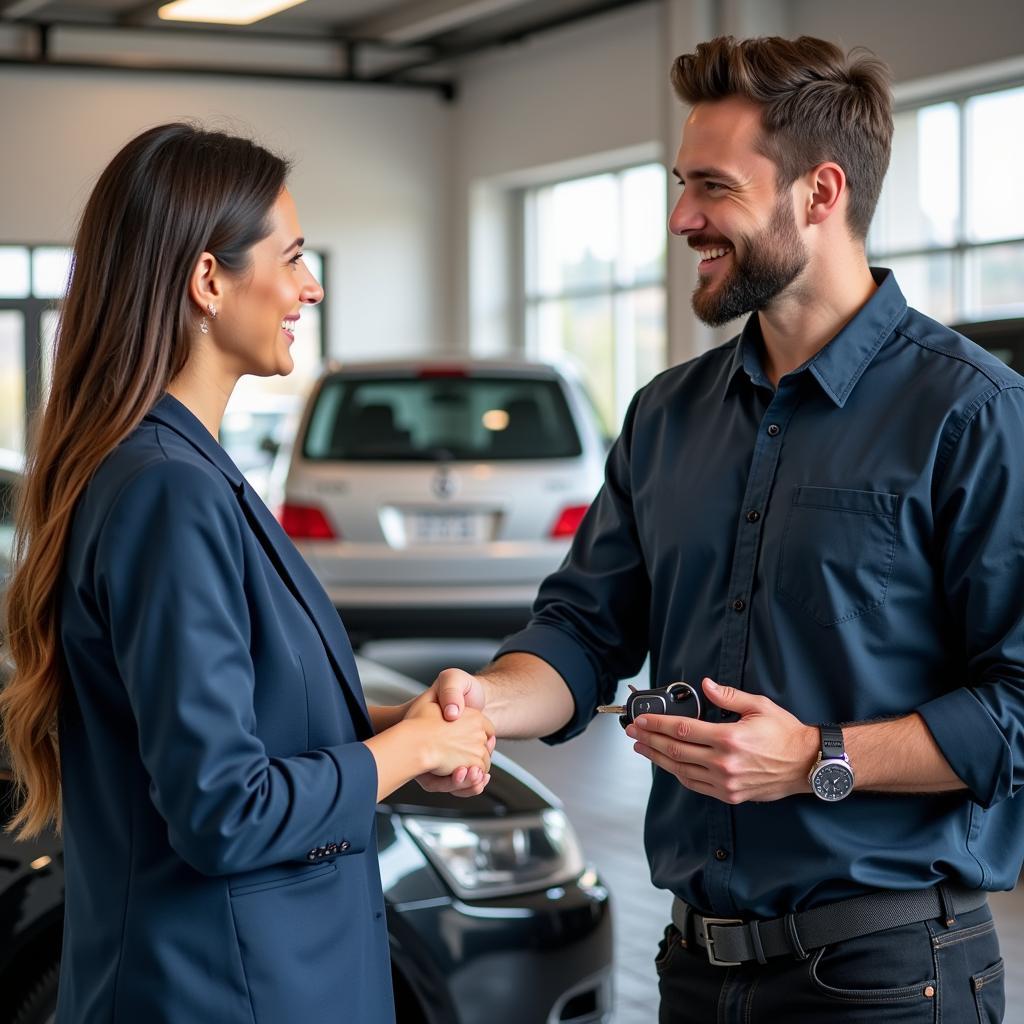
(454, 690)
(763, 756)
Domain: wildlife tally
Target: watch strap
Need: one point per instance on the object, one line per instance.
(832, 746)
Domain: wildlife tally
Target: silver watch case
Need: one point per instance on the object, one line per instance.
(831, 779)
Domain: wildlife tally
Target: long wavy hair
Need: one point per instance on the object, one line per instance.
(125, 331)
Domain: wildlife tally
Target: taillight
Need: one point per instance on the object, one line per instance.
(569, 520)
(305, 522)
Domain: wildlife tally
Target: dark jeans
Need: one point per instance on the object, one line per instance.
(920, 974)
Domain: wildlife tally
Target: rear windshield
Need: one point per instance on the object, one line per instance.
(457, 418)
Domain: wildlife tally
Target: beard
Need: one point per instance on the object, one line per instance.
(774, 258)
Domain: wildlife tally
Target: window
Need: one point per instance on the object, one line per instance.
(950, 221)
(33, 279)
(595, 280)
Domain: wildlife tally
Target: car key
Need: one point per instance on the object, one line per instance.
(677, 698)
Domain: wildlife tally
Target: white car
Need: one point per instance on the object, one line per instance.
(432, 498)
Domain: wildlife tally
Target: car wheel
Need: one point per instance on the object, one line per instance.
(40, 1005)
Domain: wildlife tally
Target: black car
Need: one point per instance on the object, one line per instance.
(492, 913)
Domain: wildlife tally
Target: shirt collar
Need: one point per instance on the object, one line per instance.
(172, 413)
(838, 365)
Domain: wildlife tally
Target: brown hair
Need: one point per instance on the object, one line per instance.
(817, 105)
(125, 332)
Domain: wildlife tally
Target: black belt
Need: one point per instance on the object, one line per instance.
(732, 941)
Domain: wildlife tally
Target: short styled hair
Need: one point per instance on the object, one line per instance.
(817, 104)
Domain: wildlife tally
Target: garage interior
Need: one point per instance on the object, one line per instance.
(426, 138)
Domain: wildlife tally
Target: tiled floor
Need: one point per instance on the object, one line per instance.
(604, 785)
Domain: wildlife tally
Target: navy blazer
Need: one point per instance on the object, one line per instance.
(219, 843)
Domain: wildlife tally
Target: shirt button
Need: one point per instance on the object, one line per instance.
(773, 429)
(721, 854)
(739, 604)
(753, 515)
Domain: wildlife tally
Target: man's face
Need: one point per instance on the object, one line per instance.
(732, 213)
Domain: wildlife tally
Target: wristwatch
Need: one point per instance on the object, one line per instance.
(831, 778)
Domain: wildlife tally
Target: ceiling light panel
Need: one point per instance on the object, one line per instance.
(224, 12)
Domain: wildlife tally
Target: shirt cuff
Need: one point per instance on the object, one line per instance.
(568, 658)
(972, 743)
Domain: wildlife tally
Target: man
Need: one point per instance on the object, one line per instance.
(824, 516)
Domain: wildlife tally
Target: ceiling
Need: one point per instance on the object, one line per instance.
(395, 42)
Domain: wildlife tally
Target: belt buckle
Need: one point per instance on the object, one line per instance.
(709, 943)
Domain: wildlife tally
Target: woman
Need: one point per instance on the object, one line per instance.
(184, 691)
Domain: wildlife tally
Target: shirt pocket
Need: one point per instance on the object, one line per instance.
(837, 552)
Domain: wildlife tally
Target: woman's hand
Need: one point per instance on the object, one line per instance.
(450, 746)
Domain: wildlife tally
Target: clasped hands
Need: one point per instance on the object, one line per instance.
(765, 754)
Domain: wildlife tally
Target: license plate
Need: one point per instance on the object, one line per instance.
(446, 527)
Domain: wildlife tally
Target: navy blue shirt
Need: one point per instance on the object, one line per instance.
(849, 544)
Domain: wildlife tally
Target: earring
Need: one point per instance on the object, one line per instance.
(213, 311)
(204, 326)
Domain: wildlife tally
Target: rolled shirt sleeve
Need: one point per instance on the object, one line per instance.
(979, 727)
(590, 619)
(169, 575)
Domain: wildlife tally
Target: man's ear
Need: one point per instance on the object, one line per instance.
(205, 287)
(826, 187)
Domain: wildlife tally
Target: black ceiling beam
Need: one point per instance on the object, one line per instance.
(446, 89)
(506, 38)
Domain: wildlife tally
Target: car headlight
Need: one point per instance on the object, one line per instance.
(487, 857)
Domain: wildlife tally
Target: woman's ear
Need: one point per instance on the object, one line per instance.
(204, 287)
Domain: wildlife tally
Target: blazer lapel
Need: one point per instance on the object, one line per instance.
(302, 582)
(291, 567)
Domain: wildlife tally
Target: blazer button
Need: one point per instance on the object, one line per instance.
(344, 845)
(332, 848)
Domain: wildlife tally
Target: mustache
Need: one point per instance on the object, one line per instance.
(706, 242)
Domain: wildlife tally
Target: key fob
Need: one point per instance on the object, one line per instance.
(674, 699)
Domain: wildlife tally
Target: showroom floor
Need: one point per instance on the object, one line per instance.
(604, 785)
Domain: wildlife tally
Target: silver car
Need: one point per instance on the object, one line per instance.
(432, 498)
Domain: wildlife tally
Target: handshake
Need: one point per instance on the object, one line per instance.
(456, 736)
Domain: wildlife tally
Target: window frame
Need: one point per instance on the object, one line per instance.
(522, 244)
(33, 307)
(962, 246)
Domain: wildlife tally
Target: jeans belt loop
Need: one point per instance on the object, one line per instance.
(755, 941)
(794, 937)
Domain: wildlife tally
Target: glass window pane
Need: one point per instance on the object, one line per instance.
(927, 283)
(415, 419)
(12, 380)
(574, 235)
(640, 342)
(919, 203)
(48, 321)
(51, 268)
(994, 282)
(14, 277)
(583, 330)
(643, 230)
(995, 155)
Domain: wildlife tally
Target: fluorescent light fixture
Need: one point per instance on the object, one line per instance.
(224, 12)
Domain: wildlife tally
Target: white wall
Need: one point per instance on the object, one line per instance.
(535, 110)
(370, 178)
(572, 96)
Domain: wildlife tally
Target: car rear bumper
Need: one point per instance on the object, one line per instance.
(365, 621)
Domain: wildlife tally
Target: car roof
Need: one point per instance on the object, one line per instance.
(455, 364)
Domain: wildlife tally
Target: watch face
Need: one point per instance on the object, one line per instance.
(832, 780)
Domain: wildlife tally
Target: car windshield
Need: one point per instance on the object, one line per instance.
(441, 417)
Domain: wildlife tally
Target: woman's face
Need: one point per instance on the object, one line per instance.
(256, 321)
